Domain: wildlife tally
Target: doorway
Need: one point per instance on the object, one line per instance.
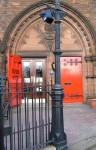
(33, 70)
(34, 73)
(71, 79)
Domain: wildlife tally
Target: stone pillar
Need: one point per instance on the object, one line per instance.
(89, 78)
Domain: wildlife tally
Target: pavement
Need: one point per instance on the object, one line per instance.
(79, 126)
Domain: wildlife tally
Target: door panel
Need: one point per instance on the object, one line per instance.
(71, 79)
(26, 71)
(14, 67)
(39, 74)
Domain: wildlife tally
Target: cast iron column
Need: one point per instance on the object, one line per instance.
(57, 130)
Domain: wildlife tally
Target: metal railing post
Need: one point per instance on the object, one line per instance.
(1, 116)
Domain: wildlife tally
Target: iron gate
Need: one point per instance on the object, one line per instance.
(25, 116)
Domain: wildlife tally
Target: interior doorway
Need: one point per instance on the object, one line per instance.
(34, 74)
(33, 70)
(71, 79)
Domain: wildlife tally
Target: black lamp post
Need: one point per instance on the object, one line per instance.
(57, 130)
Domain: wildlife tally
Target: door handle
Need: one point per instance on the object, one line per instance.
(67, 83)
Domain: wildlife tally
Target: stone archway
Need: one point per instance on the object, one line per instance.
(31, 14)
(18, 36)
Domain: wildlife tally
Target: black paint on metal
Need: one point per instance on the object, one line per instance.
(28, 124)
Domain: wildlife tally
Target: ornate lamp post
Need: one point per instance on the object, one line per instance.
(57, 130)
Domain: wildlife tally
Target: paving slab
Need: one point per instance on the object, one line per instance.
(79, 126)
(49, 148)
(86, 144)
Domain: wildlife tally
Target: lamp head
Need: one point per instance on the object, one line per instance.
(51, 73)
(46, 16)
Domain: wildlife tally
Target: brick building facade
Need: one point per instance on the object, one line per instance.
(22, 32)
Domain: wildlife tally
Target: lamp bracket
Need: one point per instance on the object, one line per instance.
(55, 10)
(52, 65)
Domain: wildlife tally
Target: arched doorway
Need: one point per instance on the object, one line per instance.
(28, 37)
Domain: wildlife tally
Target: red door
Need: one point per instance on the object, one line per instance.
(71, 79)
(14, 77)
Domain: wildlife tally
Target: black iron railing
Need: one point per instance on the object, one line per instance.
(28, 111)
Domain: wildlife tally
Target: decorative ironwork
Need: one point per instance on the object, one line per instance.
(71, 62)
